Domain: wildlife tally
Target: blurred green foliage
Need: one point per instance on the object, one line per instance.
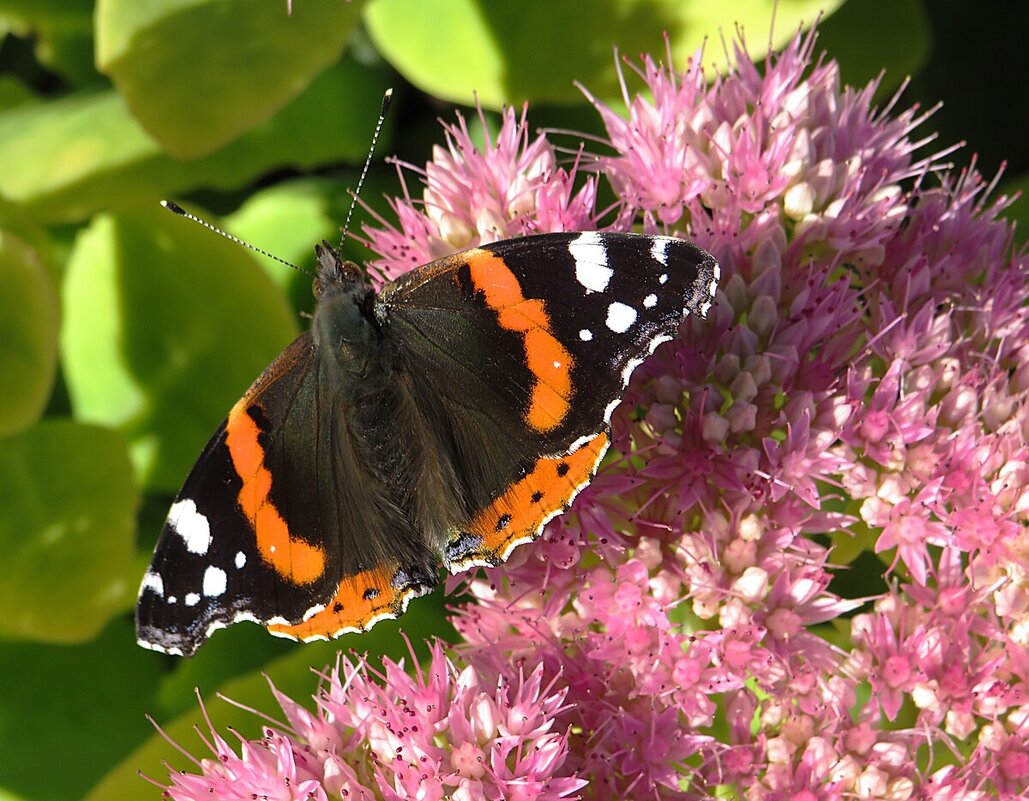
(126, 333)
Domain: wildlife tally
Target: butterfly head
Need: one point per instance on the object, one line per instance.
(344, 323)
(335, 274)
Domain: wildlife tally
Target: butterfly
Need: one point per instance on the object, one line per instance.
(441, 421)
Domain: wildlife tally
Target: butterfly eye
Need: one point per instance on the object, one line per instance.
(316, 288)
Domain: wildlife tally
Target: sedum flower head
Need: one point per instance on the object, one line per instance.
(440, 733)
(510, 187)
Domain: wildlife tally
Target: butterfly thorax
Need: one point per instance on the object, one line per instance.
(358, 374)
(346, 334)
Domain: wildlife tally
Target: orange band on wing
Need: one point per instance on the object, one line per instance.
(294, 559)
(548, 360)
(516, 516)
(358, 603)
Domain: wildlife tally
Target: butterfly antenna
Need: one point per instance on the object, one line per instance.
(386, 98)
(177, 209)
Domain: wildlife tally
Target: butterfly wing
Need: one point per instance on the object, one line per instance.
(520, 350)
(505, 363)
(227, 552)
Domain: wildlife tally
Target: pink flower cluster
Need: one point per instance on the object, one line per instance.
(855, 402)
(511, 187)
(438, 734)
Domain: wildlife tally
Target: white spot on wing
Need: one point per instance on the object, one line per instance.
(658, 341)
(214, 626)
(580, 442)
(620, 317)
(314, 610)
(585, 335)
(192, 526)
(663, 279)
(192, 599)
(241, 559)
(214, 581)
(627, 370)
(153, 581)
(161, 649)
(610, 409)
(659, 250)
(712, 288)
(590, 257)
(650, 301)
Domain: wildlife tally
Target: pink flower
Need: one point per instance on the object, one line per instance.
(441, 733)
(510, 188)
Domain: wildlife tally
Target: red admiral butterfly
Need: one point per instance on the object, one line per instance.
(445, 420)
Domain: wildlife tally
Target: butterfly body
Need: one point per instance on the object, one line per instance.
(442, 421)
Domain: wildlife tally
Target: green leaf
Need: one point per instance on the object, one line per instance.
(166, 325)
(288, 219)
(58, 145)
(67, 158)
(14, 92)
(291, 674)
(465, 50)
(63, 35)
(67, 531)
(28, 329)
(873, 36)
(246, 60)
(71, 712)
(50, 245)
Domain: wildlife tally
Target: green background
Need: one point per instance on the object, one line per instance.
(126, 333)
